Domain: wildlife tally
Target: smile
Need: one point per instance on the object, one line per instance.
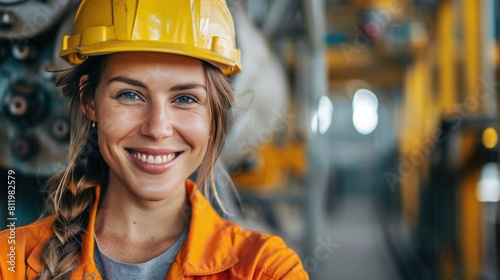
(153, 159)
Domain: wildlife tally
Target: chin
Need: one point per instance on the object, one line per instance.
(153, 192)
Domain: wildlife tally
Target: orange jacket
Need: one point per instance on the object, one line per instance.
(214, 249)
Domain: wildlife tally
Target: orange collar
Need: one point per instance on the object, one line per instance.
(208, 249)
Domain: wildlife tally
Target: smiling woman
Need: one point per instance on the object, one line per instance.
(163, 115)
(149, 107)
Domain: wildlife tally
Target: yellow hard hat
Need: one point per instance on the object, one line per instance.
(202, 29)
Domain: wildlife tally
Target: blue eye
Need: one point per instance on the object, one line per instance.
(186, 99)
(128, 95)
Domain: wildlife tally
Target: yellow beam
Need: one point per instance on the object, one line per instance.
(496, 56)
(472, 42)
(446, 57)
(366, 4)
(416, 99)
(470, 210)
(469, 213)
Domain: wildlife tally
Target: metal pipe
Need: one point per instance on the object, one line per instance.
(275, 16)
(316, 77)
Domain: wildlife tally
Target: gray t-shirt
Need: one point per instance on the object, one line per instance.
(154, 269)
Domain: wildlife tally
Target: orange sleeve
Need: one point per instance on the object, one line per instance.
(17, 245)
(263, 256)
(12, 258)
(277, 261)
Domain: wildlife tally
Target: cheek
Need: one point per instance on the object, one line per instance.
(196, 129)
(115, 122)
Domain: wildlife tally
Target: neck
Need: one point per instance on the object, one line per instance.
(123, 217)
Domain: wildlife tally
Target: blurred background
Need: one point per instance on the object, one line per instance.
(365, 133)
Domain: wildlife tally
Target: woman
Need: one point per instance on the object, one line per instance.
(149, 106)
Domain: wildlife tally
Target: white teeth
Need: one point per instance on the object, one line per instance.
(153, 159)
(157, 160)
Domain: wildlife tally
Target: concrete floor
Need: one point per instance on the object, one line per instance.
(362, 252)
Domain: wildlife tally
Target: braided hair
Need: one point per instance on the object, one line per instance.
(71, 194)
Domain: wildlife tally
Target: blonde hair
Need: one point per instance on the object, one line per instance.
(71, 194)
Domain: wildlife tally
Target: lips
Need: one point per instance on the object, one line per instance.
(155, 159)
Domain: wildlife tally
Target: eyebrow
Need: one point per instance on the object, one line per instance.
(187, 87)
(133, 82)
(128, 81)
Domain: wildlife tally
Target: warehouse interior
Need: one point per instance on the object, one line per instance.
(365, 131)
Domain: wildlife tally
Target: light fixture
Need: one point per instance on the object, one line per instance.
(365, 111)
(321, 119)
(489, 185)
(490, 138)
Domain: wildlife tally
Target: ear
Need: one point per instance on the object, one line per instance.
(88, 108)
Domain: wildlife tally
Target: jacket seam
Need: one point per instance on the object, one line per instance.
(207, 272)
(267, 274)
(272, 275)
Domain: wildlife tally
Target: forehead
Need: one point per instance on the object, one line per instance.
(153, 67)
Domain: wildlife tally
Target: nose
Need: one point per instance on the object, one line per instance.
(158, 123)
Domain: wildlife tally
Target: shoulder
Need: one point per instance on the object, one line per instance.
(38, 228)
(18, 244)
(27, 236)
(267, 255)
